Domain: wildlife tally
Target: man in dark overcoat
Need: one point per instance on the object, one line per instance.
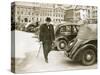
(46, 37)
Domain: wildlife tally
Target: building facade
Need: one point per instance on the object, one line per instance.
(25, 12)
(77, 13)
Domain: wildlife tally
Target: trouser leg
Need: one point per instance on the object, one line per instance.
(46, 50)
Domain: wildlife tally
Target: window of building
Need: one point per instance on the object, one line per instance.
(53, 14)
(29, 20)
(43, 14)
(50, 14)
(50, 11)
(56, 15)
(22, 12)
(17, 12)
(37, 19)
(18, 18)
(59, 15)
(55, 10)
(26, 10)
(59, 10)
(32, 18)
(25, 19)
(18, 8)
(22, 20)
(40, 19)
(29, 13)
(56, 19)
(59, 20)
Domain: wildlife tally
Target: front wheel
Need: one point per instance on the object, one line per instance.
(62, 45)
(88, 57)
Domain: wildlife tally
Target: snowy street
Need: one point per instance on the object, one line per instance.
(26, 50)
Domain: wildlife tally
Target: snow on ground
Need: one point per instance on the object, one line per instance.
(24, 42)
(27, 49)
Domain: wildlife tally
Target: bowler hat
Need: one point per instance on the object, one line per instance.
(48, 19)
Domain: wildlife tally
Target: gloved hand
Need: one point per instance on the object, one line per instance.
(53, 43)
(41, 42)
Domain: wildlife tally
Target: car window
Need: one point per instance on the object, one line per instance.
(63, 29)
(68, 28)
(75, 30)
(77, 27)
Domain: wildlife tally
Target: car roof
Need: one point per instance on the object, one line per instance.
(75, 24)
(67, 24)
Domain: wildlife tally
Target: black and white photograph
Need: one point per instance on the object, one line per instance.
(53, 37)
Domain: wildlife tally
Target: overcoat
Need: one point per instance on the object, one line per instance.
(46, 33)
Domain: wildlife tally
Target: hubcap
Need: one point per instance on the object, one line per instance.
(88, 57)
(62, 44)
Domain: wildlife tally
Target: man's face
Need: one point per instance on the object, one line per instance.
(48, 23)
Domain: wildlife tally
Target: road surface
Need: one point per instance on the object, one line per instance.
(27, 46)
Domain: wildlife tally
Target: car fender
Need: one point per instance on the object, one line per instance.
(61, 37)
(82, 48)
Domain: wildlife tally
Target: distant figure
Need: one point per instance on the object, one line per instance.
(37, 24)
(46, 37)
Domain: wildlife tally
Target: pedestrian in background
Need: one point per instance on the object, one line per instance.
(46, 37)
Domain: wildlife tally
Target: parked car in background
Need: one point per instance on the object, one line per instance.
(64, 33)
(31, 27)
(83, 48)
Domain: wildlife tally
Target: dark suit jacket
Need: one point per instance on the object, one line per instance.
(46, 34)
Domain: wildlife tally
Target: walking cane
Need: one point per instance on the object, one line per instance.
(39, 50)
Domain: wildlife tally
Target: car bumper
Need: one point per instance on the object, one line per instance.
(67, 54)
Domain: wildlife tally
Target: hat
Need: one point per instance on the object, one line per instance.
(48, 19)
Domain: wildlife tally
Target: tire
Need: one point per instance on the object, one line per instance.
(88, 57)
(62, 45)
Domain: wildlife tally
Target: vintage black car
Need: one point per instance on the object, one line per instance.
(31, 27)
(83, 48)
(64, 33)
